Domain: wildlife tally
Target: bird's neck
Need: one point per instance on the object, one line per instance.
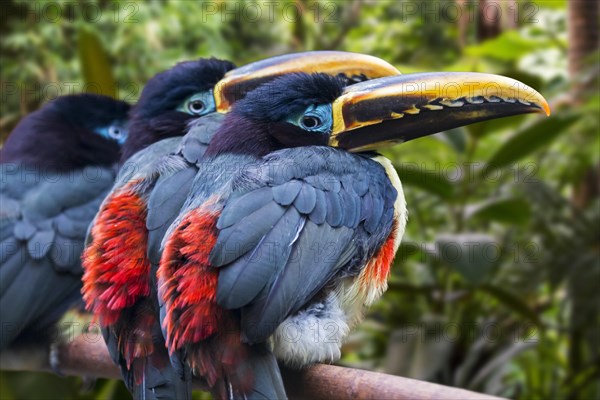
(240, 135)
(144, 131)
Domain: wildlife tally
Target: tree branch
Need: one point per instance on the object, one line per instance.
(84, 357)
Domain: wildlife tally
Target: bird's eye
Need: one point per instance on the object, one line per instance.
(316, 118)
(199, 104)
(196, 107)
(310, 122)
(115, 132)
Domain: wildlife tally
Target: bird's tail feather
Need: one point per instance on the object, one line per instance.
(163, 383)
(268, 383)
(233, 370)
(150, 376)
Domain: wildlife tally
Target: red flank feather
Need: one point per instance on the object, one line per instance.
(116, 268)
(377, 271)
(187, 283)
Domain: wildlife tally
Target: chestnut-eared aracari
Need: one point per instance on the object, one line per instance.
(292, 222)
(56, 167)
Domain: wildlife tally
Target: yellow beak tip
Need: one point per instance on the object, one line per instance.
(546, 108)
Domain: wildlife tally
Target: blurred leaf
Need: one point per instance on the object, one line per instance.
(507, 210)
(547, 63)
(485, 128)
(417, 352)
(507, 47)
(42, 386)
(407, 249)
(552, 4)
(529, 140)
(394, 285)
(512, 302)
(493, 367)
(117, 390)
(430, 181)
(456, 138)
(470, 254)
(476, 351)
(531, 79)
(95, 64)
(5, 392)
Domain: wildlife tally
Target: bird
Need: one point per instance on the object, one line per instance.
(300, 234)
(159, 163)
(117, 291)
(56, 166)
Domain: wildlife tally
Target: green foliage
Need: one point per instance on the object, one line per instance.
(467, 254)
(95, 65)
(43, 386)
(429, 181)
(507, 47)
(507, 210)
(529, 140)
(495, 287)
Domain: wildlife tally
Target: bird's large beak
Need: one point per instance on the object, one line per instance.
(397, 109)
(238, 82)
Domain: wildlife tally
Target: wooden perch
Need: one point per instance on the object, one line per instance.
(83, 357)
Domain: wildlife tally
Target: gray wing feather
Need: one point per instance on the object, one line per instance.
(245, 205)
(286, 194)
(321, 222)
(40, 263)
(319, 213)
(11, 266)
(169, 190)
(240, 238)
(23, 230)
(315, 260)
(241, 281)
(306, 200)
(334, 215)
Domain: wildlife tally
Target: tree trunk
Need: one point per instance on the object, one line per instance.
(490, 16)
(583, 43)
(583, 34)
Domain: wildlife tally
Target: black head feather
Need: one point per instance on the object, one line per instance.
(155, 117)
(256, 125)
(289, 94)
(60, 136)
